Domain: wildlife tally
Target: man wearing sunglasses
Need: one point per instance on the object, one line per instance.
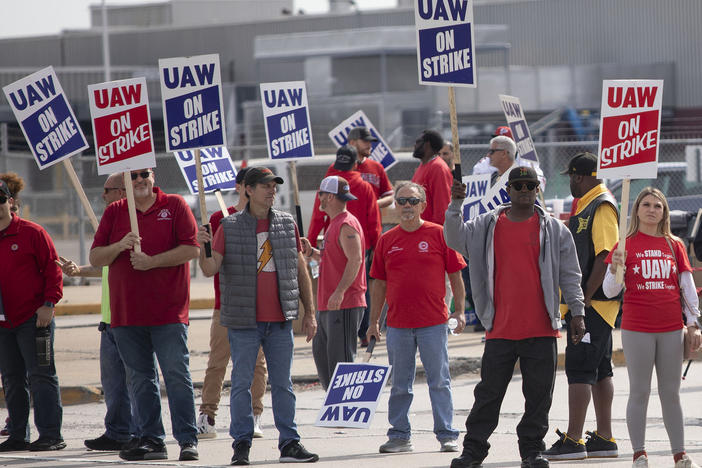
(408, 268)
(30, 286)
(519, 258)
(120, 426)
(341, 290)
(149, 299)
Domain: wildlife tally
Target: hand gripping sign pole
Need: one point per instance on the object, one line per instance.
(296, 197)
(457, 175)
(201, 198)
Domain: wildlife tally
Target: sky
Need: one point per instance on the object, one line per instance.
(21, 18)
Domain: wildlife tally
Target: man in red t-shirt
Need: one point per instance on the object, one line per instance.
(432, 174)
(149, 300)
(341, 290)
(220, 356)
(519, 258)
(408, 268)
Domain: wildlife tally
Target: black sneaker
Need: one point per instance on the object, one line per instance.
(241, 452)
(534, 461)
(146, 449)
(466, 460)
(188, 452)
(599, 447)
(294, 452)
(13, 445)
(566, 448)
(104, 443)
(46, 445)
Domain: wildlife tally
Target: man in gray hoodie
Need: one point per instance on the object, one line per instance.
(519, 258)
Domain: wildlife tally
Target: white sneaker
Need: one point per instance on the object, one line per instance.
(641, 462)
(685, 462)
(205, 430)
(258, 432)
(449, 446)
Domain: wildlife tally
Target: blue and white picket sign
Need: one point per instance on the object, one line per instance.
(380, 150)
(218, 171)
(47, 120)
(287, 118)
(477, 187)
(445, 42)
(352, 396)
(191, 93)
(520, 130)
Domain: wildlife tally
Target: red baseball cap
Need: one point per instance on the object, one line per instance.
(503, 131)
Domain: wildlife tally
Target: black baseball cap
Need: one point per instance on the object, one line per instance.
(260, 175)
(361, 133)
(5, 189)
(522, 174)
(582, 164)
(345, 158)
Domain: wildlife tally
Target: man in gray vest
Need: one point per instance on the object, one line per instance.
(263, 275)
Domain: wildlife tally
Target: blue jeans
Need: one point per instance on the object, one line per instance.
(120, 418)
(170, 343)
(276, 338)
(402, 346)
(21, 375)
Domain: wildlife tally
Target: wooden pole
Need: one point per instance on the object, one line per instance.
(81, 193)
(201, 198)
(222, 204)
(454, 135)
(623, 214)
(131, 207)
(296, 197)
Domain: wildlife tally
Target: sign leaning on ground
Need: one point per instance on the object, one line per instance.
(121, 125)
(352, 396)
(380, 150)
(630, 129)
(191, 93)
(47, 120)
(520, 130)
(287, 119)
(218, 171)
(445, 42)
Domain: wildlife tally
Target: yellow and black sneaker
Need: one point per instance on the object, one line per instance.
(566, 448)
(599, 447)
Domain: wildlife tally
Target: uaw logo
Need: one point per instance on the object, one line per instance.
(164, 215)
(582, 224)
(423, 246)
(14, 247)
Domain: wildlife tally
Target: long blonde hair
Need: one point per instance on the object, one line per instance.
(663, 225)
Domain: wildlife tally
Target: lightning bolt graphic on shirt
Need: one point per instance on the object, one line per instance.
(265, 256)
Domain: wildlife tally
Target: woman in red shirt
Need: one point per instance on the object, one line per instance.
(656, 269)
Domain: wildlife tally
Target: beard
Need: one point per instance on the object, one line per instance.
(418, 153)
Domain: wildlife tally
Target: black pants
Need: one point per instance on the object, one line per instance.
(537, 361)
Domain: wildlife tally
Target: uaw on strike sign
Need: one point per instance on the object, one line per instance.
(218, 172)
(191, 93)
(630, 129)
(380, 150)
(46, 119)
(445, 42)
(287, 119)
(121, 125)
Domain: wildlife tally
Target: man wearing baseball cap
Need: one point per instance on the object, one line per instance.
(371, 170)
(219, 348)
(263, 277)
(594, 227)
(341, 290)
(519, 258)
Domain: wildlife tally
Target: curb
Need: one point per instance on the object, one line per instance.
(94, 308)
(77, 395)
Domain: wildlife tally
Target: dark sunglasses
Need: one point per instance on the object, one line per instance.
(143, 174)
(402, 201)
(529, 185)
(107, 189)
(492, 151)
(3, 199)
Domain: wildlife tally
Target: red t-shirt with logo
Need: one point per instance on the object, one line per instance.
(374, 173)
(268, 308)
(651, 300)
(333, 263)
(520, 309)
(215, 221)
(413, 265)
(154, 297)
